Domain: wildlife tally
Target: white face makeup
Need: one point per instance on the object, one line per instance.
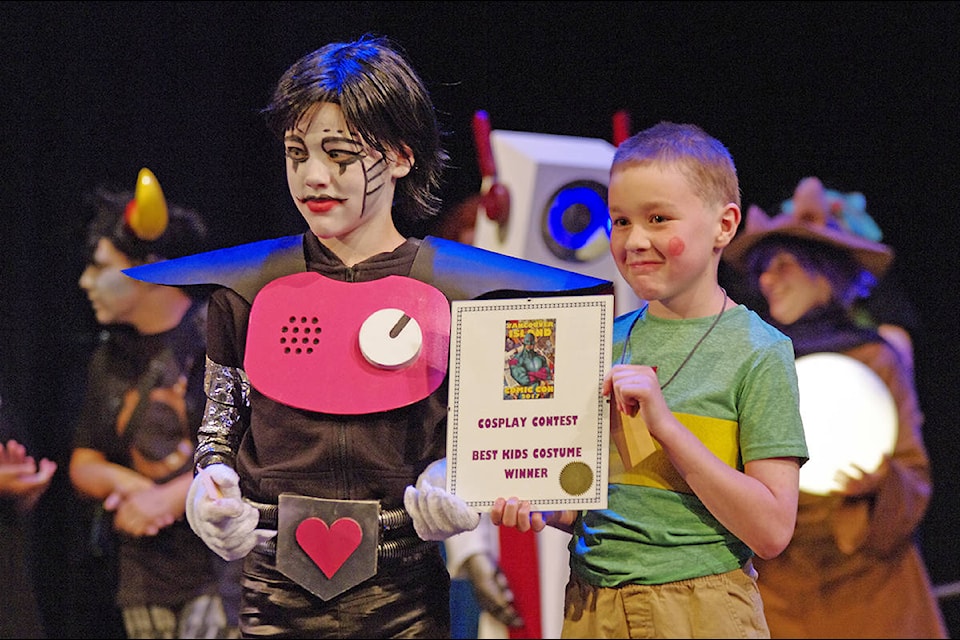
(338, 183)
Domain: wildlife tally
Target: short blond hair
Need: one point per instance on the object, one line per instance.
(702, 158)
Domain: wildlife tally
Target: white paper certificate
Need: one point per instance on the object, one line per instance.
(527, 417)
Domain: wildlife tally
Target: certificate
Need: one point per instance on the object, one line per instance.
(527, 417)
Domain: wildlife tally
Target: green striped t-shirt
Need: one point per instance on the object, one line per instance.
(739, 394)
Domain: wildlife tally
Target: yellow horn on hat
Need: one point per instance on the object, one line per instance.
(146, 214)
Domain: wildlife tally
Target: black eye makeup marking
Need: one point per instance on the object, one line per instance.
(343, 151)
(295, 149)
(374, 172)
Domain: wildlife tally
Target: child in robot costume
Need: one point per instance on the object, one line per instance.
(332, 492)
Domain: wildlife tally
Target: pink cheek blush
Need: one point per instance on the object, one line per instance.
(676, 247)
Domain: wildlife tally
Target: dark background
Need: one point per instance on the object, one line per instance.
(862, 94)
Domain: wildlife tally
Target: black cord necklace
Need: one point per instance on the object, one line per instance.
(626, 346)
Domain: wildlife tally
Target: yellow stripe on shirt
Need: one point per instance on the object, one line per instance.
(649, 465)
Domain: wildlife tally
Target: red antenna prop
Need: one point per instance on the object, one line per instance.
(621, 126)
(494, 197)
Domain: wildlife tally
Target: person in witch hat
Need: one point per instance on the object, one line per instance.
(853, 568)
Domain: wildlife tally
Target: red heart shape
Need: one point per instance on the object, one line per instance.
(329, 547)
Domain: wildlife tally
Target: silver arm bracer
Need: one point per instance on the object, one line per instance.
(222, 427)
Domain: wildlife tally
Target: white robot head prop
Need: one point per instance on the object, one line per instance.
(558, 205)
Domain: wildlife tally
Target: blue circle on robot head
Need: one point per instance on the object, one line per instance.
(574, 218)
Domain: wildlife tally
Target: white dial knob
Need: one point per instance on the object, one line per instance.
(390, 339)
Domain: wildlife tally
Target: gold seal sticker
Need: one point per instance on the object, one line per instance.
(576, 478)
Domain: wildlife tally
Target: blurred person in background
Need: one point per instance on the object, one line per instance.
(137, 430)
(23, 480)
(854, 568)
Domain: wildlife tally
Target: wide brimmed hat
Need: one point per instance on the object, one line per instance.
(873, 256)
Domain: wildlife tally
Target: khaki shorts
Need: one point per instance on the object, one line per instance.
(727, 605)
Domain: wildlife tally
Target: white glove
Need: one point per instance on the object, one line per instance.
(437, 514)
(227, 524)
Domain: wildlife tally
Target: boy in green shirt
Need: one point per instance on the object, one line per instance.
(715, 389)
